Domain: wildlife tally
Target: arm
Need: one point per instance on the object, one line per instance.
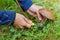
(25, 4)
(6, 17)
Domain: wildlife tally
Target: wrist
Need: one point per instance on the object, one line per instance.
(31, 7)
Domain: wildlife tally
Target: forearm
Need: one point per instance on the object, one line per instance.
(6, 17)
(25, 4)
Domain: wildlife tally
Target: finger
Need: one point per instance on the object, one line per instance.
(27, 20)
(31, 13)
(18, 25)
(24, 23)
(39, 16)
(28, 25)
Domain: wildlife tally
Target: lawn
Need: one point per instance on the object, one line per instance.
(50, 31)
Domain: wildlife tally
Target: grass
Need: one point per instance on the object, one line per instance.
(51, 30)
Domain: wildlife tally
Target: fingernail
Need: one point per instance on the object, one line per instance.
(40, 19)
(30, 21)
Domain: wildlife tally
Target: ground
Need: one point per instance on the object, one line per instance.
(51, 30)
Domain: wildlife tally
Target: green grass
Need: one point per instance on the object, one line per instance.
(51, 30)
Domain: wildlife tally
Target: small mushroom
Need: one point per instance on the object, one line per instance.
(32, 24)
(47, 13)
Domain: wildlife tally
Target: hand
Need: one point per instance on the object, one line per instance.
(41, 13)
(33, 10)
(21, 21)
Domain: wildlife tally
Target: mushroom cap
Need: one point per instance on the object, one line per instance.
(47, 13)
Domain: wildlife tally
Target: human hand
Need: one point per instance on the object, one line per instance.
(33, 10)
(21, 21)
(41, 13)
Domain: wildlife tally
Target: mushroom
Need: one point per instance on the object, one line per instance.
(47, 13)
